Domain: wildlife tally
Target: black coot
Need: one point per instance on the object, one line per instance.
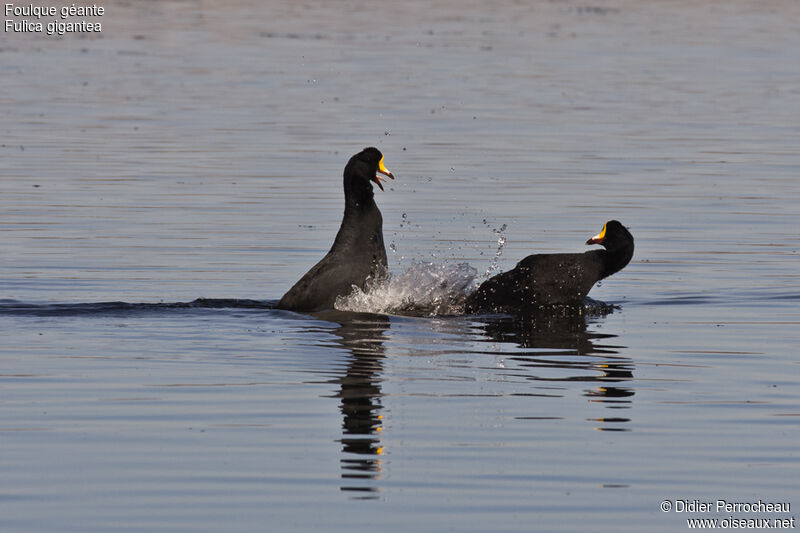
(358, 253)
(543, 280)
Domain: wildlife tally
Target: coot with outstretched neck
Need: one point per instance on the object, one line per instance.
(544, 280)
(358, 253)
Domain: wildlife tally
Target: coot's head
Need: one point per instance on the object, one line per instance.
(368, 164)
(613, 236)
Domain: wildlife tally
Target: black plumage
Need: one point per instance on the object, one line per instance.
(358, 252)
(543, 280)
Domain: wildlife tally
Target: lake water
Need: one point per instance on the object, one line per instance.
(194, 149)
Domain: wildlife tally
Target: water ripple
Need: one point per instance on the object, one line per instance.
(16, 308)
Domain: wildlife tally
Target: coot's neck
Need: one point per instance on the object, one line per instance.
(362, 222)
(358, 196)
(616, 258)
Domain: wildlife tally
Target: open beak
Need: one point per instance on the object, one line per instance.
(599, 238)
(382, 170)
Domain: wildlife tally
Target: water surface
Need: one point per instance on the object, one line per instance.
(194, 150)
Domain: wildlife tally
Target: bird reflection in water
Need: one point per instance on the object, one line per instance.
(556, 347)
(360, 399)
(558, 340)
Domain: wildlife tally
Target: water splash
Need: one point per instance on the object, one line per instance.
(501, 243)
(424, 289)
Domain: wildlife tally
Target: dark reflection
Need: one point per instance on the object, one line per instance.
(556, 340)
(554, 346)
(360, 399)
